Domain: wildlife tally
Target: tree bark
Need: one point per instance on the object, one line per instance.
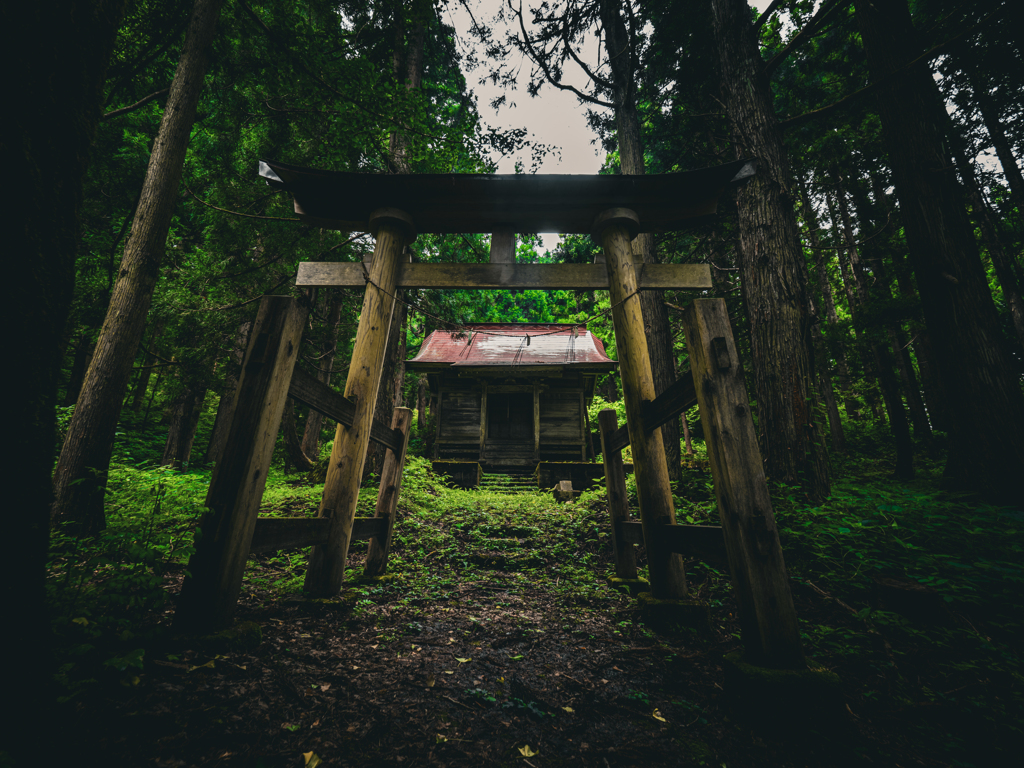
(846, 271)
(660, 343)
(188, 407)
(83, 356)
(1006, 272)
(142, 385)
(879, 353)
(771, 267)
(315, 420)
(226, 406)
(421, 404)
(80, 477)
(829, 302)
(55, 71)
(994, 126)
(987, 447)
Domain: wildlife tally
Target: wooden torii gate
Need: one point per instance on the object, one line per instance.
(613, 209)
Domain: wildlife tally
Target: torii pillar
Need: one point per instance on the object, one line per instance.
(616, 228)
(393, 230)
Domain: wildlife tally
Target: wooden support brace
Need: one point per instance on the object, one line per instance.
(681, 396)
(703, 542)
(617, 227)
(223, 542)
(618, 500)
(326, 570)
(273, 534)
(387, 496)
(768, 623)
(322, 398)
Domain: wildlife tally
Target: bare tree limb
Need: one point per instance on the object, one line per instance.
(767, 13)
(886, 79)
(236, 213)
(544, 67)
(140, 103)
(804, 34)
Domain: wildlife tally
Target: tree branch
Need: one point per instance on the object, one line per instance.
(544, 67)
(236, 213)
(767, 13)
(803, 35)
(885, 79)
(141, 103)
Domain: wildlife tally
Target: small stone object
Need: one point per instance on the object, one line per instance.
(563, 491)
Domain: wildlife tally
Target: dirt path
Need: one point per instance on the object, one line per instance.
(501, 646)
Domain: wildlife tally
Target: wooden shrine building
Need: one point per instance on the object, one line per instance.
(512, 394)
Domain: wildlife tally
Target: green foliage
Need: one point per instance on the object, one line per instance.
(106, 593)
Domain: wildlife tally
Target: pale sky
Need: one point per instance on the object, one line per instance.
(553, 117)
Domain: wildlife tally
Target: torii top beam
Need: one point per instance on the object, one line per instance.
(485, 203)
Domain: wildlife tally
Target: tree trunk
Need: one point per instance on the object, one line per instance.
(828, 300)
(81, 474)
(54, 70)
(987, 446)
(315, 420)
(188, 407)
(421, 404)
(83, 356)
(878, 351)
(389, 395)
(660, 342)
(846, 270)
(1006, 271)
(293, 448)
(994, 126)
(226, 406)
(142, 385)
(771, 267)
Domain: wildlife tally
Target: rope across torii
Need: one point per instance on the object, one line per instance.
(612, 209)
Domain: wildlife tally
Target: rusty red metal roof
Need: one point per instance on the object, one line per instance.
(511, 345)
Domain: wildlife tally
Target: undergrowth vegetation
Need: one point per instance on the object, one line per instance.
(908, 591)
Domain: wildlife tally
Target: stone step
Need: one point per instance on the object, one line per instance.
(508, 483)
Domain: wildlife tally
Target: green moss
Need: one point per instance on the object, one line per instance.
(631, 587)
(784, 696)
(696, 750)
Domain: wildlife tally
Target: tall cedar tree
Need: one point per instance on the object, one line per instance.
(987, 423)
(81, 474)
(56, 74)
(563, 25)
(772, 266)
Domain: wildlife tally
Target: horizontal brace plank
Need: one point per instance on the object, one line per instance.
(620, 439)
(276, 533)
(507, 276)
(704, 542)
(325, 400)
(273, 534)
(368, 527)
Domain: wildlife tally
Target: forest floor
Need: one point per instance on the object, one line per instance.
(496, 641)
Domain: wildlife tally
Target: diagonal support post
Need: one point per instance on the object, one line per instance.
(768, 623)
(210, 592)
